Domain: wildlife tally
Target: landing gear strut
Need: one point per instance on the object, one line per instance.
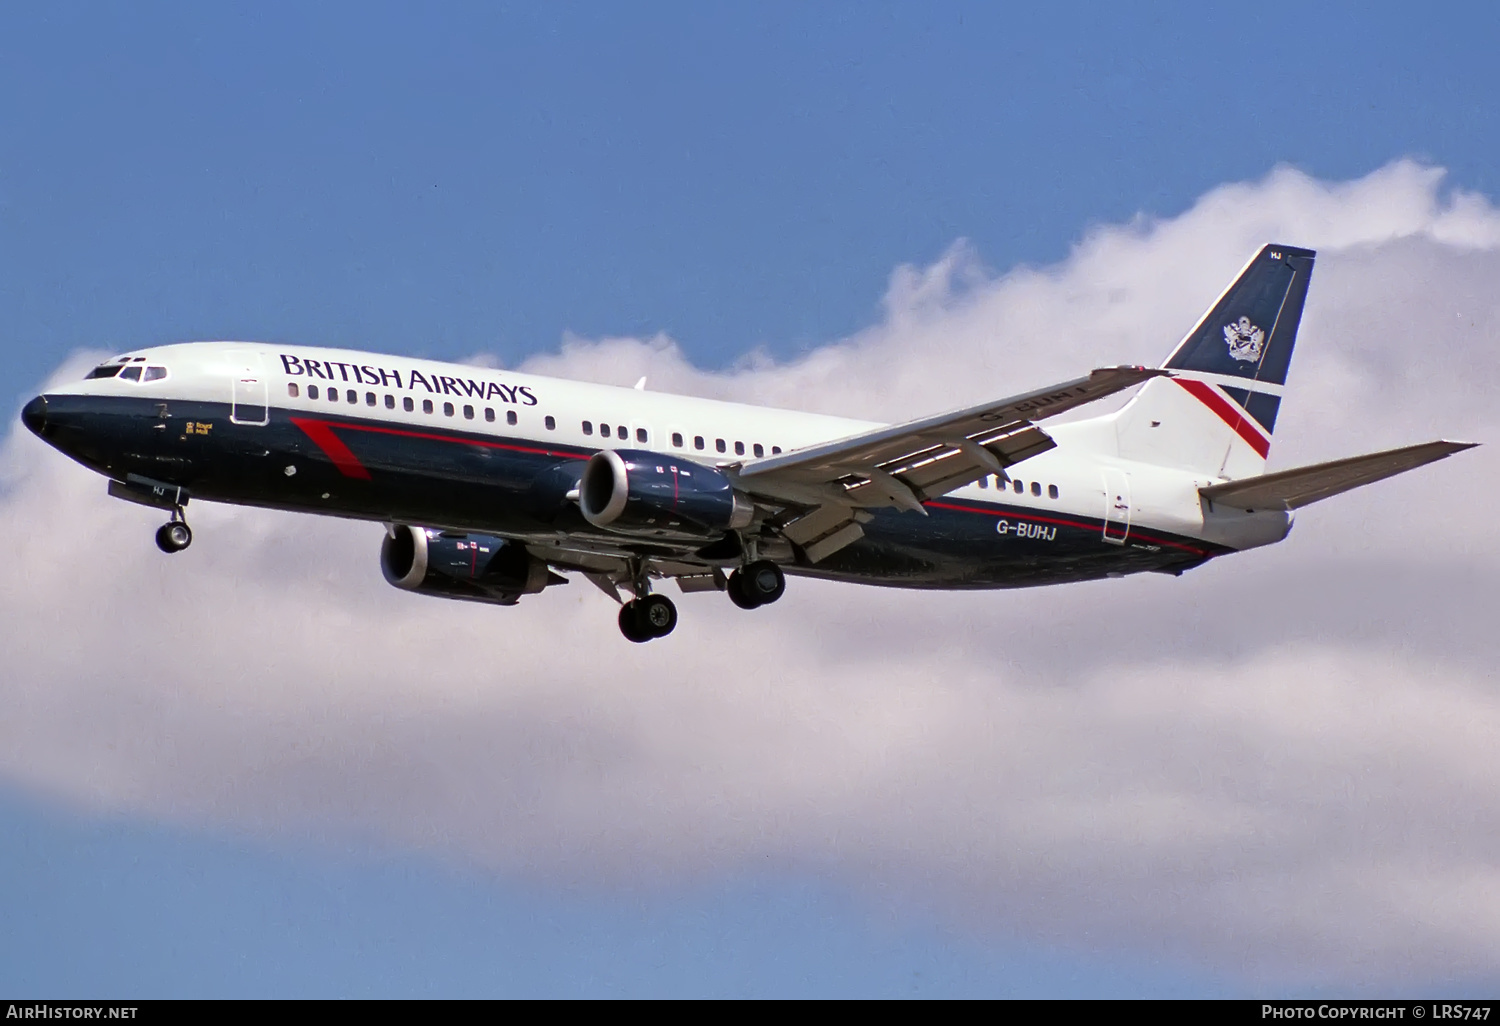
(757, 584)
(175, 535)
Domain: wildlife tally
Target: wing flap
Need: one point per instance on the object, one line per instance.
(1293, 489)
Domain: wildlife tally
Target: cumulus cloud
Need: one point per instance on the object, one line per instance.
(1284, 764)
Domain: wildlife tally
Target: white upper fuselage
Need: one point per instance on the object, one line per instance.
(1069, 479)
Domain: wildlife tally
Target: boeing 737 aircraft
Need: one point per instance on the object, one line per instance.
(491, 484)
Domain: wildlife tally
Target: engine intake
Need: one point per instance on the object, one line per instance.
(473, 567)
(649, 493)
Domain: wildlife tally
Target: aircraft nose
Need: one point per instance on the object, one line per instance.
(34, 415)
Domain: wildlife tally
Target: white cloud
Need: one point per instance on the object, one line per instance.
(1286, 763)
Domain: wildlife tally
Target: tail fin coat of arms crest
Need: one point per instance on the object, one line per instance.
(1244, 340)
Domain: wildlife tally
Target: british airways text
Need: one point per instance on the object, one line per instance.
(365, 374)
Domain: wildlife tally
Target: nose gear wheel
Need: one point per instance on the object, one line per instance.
(175, 535)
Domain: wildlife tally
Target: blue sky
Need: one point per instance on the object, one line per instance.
(490, 178)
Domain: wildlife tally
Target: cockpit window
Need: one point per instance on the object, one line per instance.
(128, 370)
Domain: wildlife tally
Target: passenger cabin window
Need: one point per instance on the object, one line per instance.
(352, 396)
(426, 405)
(468, 412)
(1019, 487)
(719, 444)
(407, 404)
(291, 389)
(447, 409)
(489, 414)
(510, 417)
(984, 482)
(640, 435)
(759, 449)
(697, 441)
(677, 439)
(131, 373)
(1052, 491)
(312, 391)
(604, 430)
(588, 427)
(333, 395)
(1036, 488)
(775, 450)
(390, 401)
(550, 423)
(739, 448)
(369, 398)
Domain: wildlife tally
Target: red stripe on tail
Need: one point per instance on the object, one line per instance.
(1229, 412)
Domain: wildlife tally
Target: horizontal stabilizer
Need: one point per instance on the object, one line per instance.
(1292, 489)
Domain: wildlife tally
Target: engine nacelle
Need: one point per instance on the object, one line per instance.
(649, 493)
(475, 567)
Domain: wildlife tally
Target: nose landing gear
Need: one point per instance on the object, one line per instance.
(175, 535)
(757, 584)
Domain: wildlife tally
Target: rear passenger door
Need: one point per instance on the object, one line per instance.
(1116, 505)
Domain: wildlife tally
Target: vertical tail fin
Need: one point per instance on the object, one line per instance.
(1216, 413)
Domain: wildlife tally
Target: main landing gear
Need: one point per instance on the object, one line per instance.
(651, 616)
(175, 535)
(757, 584)
(646, 616)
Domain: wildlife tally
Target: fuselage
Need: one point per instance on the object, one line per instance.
(473, 449)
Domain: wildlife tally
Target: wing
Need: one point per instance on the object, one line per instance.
(904, 465)
(1293, 489)
(828, 487)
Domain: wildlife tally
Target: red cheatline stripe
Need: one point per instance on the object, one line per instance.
(373, 429)
(321, 433)
(1229, 412)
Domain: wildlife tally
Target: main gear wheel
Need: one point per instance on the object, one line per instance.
(653, 616)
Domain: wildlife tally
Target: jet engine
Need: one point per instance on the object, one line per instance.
(475, 567)
(649, 493)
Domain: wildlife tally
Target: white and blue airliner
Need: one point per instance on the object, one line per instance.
(494, 484)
